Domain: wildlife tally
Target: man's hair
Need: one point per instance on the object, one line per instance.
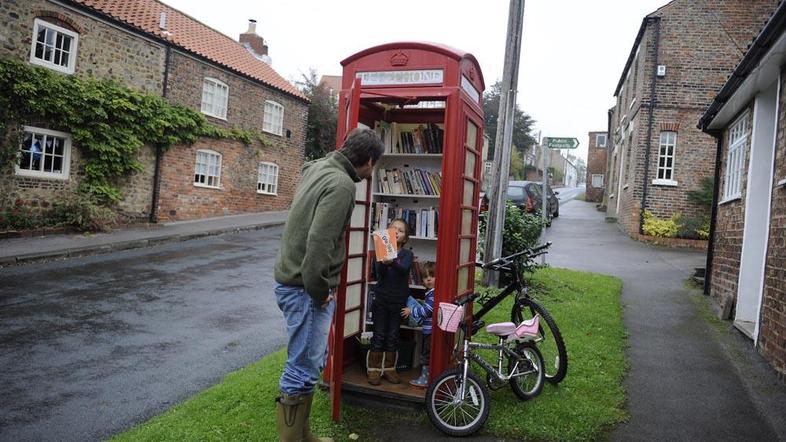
(361, 145)
(429, 268)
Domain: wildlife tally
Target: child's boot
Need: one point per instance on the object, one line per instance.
(389, 367)
(422, 381)
(374, 367)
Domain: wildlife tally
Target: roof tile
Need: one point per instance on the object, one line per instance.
(193, 36)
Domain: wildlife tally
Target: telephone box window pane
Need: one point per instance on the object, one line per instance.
(358, 216)
(464, 248)
(472, 134)
(466, 222)
(360, 191)
(354, 269)
(469, 192)
(353, 297)
(355, 242)
(463, 275)
(351, 323)
(469, 164)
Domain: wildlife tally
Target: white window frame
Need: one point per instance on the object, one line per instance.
(213, 103)
(37, 24)
(597, 137)
(267, 178)
(216, 161)
(592, 180)
(273, 123)
(661, 178)
(735, 158)
(66, 157)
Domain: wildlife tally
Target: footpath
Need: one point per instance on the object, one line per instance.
(24, 250)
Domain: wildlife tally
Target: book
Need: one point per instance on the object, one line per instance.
(385, 245)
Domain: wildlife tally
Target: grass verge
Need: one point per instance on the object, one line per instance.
(588, 403)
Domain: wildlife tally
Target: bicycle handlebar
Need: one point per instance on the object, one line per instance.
(531, 253)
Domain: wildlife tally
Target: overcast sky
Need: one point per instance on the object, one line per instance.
(573, 51)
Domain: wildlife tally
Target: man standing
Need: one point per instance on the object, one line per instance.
(308, 270)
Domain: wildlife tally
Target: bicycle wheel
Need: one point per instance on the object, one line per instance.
(550, 343)
(454, 415)
(528, 371)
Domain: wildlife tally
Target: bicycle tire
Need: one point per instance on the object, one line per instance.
(552, 346)
(454, 416)
(528, 386)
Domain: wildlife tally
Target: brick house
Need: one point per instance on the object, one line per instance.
(596, 166)
(746, 263)
(680, 57)
(153, 48)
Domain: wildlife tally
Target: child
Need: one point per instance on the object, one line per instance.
(422, 314)
(390, 296)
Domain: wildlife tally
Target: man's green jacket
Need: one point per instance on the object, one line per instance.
(312, 248)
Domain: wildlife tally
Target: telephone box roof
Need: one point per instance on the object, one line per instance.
(448, 51)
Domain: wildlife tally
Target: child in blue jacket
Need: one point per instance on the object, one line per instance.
(422, 314)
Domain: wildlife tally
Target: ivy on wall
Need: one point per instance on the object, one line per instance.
(107, 121)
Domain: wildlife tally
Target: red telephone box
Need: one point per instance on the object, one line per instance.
(425, 101)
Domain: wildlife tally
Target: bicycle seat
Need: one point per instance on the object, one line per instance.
(527, 329)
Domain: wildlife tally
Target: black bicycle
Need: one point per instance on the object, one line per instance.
(550, 342)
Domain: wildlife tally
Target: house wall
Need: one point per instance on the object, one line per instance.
(729, 227)
(596, 164)
(772, 334)
(103, 51)
(179, 199)
(699, 44)
(107, 51)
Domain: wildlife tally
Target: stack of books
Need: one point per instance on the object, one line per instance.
(409, 181)
(411, 138)
(421, 222)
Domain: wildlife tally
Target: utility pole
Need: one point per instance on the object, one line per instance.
(546, 152)
(504, 138)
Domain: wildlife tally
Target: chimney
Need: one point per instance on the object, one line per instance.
(254, 43)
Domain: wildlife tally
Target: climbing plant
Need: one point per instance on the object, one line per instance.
(108, 121)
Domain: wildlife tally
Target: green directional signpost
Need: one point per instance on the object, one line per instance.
(561, 143)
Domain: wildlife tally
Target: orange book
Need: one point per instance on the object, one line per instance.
(385, 244)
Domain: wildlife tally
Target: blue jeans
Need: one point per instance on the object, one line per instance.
(308, 325)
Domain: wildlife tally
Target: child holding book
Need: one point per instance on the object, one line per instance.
(390, 296)
(422, 314)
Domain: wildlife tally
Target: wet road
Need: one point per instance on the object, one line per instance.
(92, 346)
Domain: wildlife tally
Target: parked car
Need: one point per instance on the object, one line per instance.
(527, 195)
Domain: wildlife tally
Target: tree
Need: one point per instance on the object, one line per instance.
(516, 165)
(322, 117)
(581, 170)
(522, 123)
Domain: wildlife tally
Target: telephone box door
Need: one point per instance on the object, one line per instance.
(348, 315)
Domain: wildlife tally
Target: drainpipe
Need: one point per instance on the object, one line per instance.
(645, 186)
(159, 149)
(714, 213)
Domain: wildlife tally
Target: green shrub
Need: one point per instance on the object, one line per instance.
(661, 228)
(521, 230)
(704, 230)
(84, 213)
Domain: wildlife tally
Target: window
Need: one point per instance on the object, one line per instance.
(600, 140)
(274, 118)
(53, 46)
(44, 154)
(735, 158)
(267, 178)
(215, 96)
(668, 141)
(207, 171)
(597, 180)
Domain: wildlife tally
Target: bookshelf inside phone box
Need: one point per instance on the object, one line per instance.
(425, 102)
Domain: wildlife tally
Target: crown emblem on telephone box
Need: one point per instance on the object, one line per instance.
(399, 59)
